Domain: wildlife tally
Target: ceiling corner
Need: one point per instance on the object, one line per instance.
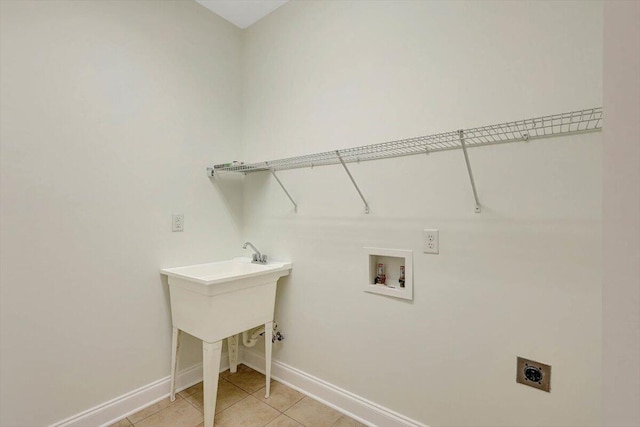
(242, 13)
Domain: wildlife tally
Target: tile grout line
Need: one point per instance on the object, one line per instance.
(153, 413)
(194, 406)
(202, 410)
(241, 400)
(247, 395)
(229, 407)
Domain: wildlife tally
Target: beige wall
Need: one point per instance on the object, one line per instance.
(621, 214)
(521, 279)
(110, 113)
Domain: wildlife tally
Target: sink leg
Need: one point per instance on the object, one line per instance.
(268, 335)
(211, 354)
(232, 343)
(175, 348)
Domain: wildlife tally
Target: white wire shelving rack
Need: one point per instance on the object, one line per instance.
(574, 122)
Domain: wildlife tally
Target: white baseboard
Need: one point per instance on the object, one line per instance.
(354, 406)
(109, 412)
(341, 400)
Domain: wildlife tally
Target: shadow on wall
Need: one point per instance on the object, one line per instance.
(230, 188)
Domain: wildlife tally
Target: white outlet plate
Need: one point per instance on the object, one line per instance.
(430, 241)
(178, 222)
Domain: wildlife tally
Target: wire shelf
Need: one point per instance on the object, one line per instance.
(580, 121)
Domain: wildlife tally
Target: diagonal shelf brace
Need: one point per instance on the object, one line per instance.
(366, 205)
(295, 206)
(466, 159)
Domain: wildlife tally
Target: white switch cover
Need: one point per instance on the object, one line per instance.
(430, 241)
(178, 222)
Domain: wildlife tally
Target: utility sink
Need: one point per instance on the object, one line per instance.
(220, 300)
(216, 300)
(224, 271)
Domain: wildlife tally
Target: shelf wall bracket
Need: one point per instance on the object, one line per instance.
(366, 205)
(295, 206)
(466, 159)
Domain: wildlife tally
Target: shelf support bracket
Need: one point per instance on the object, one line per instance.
(366, 205)
(466, 159)
(295, 206)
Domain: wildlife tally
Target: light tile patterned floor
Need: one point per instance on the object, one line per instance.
(240, 403)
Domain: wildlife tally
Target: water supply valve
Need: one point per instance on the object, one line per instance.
(277, 336)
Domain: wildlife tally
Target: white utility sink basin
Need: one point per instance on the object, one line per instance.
(220, 300)
(225, 271)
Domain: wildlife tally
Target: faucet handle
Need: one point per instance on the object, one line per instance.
(254, 257)
(263, 259)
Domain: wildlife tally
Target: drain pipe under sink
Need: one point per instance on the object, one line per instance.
(250, 337)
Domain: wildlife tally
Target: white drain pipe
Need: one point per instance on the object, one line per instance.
(250, 337)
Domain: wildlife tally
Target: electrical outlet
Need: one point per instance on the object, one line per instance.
(533, 374)
(430, 241)
(178, 222)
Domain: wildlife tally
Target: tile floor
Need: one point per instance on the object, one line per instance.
(240, 403)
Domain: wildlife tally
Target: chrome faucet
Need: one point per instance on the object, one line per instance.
(257, 257)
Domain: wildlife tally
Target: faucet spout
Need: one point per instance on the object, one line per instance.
(257, 256)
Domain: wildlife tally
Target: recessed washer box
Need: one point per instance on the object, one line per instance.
(392, 259)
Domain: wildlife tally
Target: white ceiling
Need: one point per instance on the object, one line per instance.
(242, 13)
